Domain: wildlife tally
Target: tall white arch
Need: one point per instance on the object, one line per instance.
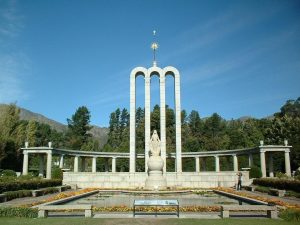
(175, 73)
(162, 84)
(136, 71)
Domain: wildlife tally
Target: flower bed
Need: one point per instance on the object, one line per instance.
(260, 198)
(159, 209)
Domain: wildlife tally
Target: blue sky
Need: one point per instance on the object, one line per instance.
(236, 58)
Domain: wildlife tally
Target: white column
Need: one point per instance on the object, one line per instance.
(178, 123)
(287, 163)
(162, 84)
(250, 160)
(61, 161)
(235, 163)
(25, 163)
(217, 163)
(76, 163)
(132, 122)
(271, 170)
(82, 164)
(147, 120)
(94, 165)
(113, 164)
(41, 165)
(197, 161)
(263, 163)
(49, 165)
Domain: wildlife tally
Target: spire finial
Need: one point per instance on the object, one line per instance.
(154, 46)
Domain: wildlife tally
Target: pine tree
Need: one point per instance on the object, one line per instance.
(79, 127)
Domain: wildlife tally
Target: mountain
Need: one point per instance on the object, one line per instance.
(100, 133)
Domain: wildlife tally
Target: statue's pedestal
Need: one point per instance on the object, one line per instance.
(155, 180)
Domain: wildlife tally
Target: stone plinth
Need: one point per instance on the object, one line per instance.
(155, 180)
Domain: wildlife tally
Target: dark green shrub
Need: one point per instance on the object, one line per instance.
(255, 172)
(28, 185)
(281, 175)
(17, 194)
(290, 214)
(18, 212)
(262, 189)
(282, 184)
(57, 173)
(8, 173)
(29, 176)
(50, 190)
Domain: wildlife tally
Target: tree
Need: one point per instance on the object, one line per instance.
(291, 108)
(9, 121)
(32, 133)
(79, 127)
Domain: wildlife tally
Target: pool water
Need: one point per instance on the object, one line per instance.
(109, 199)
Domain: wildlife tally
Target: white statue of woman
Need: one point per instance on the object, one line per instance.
(154, 144)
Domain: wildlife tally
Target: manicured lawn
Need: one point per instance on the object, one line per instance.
(154, 221)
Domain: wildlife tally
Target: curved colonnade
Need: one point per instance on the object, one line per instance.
(262, 150)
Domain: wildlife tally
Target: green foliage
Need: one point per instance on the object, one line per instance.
(28, 177)
(290, 214)
(8, 173)
(57, 173)
(79, 127)
(255, 172)
(17, 194)
(28, 185)
(281, 175)
(262, 189)
(18, 212)
(281, 184)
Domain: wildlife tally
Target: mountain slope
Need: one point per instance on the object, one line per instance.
(100, 133)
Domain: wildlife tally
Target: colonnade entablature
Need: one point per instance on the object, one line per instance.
(199, 157)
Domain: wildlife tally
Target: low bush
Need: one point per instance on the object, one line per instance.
(18, 212)
(57, 173)
(29, 176)
(28, 185)
(50, 190)
(262, 189)
(290, 214)
(17, 194)
(292, 194)
(8, 173)
(282, 184)
(281, 175)
(255, 172)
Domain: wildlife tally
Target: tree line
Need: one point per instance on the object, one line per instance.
(198, 134)
(211, 133)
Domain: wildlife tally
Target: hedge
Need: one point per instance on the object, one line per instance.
(18, 212)
(17, 194)
(28, 185)
(293, 185)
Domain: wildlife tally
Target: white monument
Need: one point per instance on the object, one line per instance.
(148, 73)
(155, 164)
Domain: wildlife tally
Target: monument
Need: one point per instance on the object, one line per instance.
(162, 73)
(155, 176)
(155, 164)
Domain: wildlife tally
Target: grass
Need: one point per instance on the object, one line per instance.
(157, 221)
